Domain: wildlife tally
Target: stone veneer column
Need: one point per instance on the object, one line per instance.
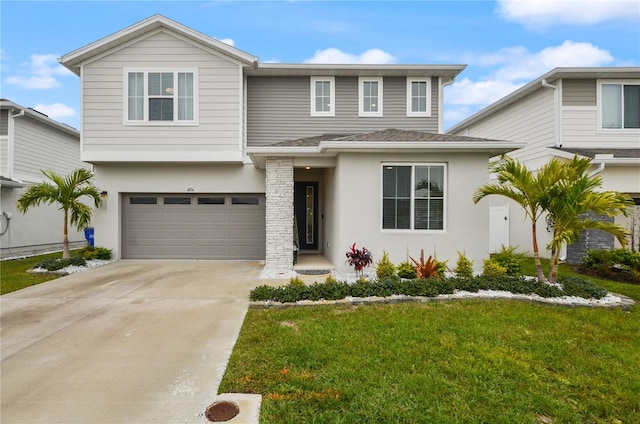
(279, 211)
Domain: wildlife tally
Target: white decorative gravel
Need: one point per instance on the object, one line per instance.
(72, 269)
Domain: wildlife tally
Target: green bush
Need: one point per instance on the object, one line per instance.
(334, 290)
(90, 253)
(406, 270)
(385, 268)
(510, 260)
(296, 282)
(56, 264)
(581, 287)
(491, 268)
(464, 267)
(616, 264)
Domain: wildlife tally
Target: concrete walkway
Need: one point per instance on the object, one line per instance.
(128, 342)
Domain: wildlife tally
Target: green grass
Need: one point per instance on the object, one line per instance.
(14, 275)
(469, 361)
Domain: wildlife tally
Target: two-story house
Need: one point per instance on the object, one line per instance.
(590, 112)
(29, 142)
(207, 153)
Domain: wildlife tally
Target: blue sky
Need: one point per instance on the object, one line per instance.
(504, 44)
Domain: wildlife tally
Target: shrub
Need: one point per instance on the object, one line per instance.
(385, 268)
(296, 282)
(464, 267)
(359, 258)
(492, 269)
(617, 264)
(406, 270)
(56, 264)
(510, 260)
(90, 253)
(431, 268)
(576, 286)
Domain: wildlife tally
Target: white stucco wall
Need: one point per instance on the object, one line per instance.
(358, 208)
(164, 178)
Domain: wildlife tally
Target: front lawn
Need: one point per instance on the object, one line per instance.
(445, 362)
(15, 276)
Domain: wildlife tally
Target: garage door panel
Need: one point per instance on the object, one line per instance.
(199, 226)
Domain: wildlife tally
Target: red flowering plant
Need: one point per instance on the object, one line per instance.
(359, 259)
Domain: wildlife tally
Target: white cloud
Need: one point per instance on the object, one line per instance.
(333, 56)
(519, 63)
(56, 111)
(512, 67)
(543, 13)
(228, 41)
(41, 73)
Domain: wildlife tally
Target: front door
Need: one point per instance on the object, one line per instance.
(306, 212)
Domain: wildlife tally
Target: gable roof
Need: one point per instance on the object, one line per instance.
(551, 76)
(74, 59)
(389, 140)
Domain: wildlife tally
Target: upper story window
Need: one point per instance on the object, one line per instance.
(161, 97)
(370, 96)
(620, 105)
(323, 93)
(413, 197)
(418, 97)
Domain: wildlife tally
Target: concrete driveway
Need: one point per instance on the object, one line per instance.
(128, 342)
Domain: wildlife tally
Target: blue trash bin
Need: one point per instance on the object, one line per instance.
(88, 234)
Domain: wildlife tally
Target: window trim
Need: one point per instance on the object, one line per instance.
(622, 82)
(445, 197)
(410, 112)
(361, 81)
(145, 121)
(332, 96)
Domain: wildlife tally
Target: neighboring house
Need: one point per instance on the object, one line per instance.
(207, 153)
(29, 142)
(590, 112)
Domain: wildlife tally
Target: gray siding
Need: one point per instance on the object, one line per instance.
(219, 99)
(531, 119)
(578, 92)
(4, 152)
(38, 146)
(278, 109)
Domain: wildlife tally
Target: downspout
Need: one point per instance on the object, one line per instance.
(556, 101)
(598, 170)
(440, 100)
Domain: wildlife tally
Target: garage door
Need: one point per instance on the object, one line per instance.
(199, 226)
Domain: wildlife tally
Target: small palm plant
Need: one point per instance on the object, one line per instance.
(66, 192)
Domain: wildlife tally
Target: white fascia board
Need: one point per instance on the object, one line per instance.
(281, 151)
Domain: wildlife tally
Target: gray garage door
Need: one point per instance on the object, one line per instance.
(194, 226)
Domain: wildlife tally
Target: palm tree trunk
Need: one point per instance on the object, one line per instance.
(536, 254)
(66, 254)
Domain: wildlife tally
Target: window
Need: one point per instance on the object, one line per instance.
(323, 95)
(245, 201)
(413, 197)
(620, 105)
(418, 97)
(211, 200)
(159, 97)
(370, 96)
(177, 200)
(139, 200)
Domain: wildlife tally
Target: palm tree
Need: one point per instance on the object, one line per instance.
(518, 183)
(65, 191)
(570, 200)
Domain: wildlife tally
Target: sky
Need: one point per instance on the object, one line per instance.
(505, 43)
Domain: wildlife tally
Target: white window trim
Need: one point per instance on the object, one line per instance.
(410, 112)
(412, 216)
(600, 83)
(145, 121)
(361, 81)
(332, 96)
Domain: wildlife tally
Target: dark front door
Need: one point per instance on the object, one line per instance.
(306, 210)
